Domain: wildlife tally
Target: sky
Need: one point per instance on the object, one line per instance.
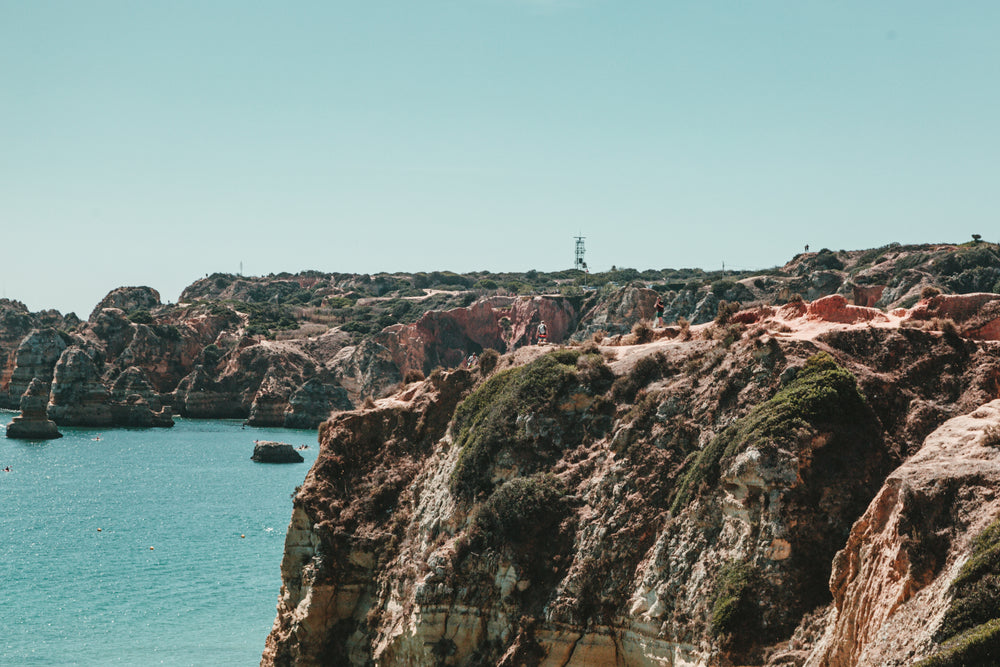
(152, 143)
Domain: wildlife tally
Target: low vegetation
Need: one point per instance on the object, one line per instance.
(733, 609)
(970, 629)
(822, 395)
(520, 511)
(488, 419)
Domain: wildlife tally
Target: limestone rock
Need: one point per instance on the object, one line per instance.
(626, 307)
(133, 381)
(266, 451)
(311, 404)
(135, 411)
(128, 299)
(33, 422)
(199, 396)
(35, 357)
(445, 338)
(78, 397)
(890, 582)
(867, 295)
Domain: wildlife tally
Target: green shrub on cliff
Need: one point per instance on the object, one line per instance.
(822, 396)
(140, 316)
(978, 646)
(520, 511)
(733, 610)
(487, 419)
(645, 370)
(970, 628)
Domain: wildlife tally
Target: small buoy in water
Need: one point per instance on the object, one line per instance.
(150, 548)
(98, 530)
(242, 535)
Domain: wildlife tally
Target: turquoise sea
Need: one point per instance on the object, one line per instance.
(79, 581)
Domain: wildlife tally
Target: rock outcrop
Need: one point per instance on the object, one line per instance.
(33, 422)
(312, 403)
(267, 451)
(629, 305)
(678, 502)
(198, 395)
(445, 338)
(78, 396)
(128, 300)
(834, 308)
(35, 357)
(890, 583)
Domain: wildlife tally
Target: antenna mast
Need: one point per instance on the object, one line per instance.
(578, 262)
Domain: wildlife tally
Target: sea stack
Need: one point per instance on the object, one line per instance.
(33, 422)
(266, 451)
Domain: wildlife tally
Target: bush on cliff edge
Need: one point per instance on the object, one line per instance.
(487, 419)
(970, 628)
(822, 396)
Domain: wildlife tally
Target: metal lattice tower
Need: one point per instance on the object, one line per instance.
(579, 263)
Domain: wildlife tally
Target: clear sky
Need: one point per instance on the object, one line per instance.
(150, 143)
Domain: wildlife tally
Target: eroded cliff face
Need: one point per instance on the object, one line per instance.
(890, 582)
(680, 502)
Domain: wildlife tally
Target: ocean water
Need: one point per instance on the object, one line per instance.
(71, 594)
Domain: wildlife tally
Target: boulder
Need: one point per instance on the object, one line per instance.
(33, 422)
(267, 451)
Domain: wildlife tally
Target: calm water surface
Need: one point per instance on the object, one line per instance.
(203, 595)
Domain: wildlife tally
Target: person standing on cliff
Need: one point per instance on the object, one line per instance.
(543, 333)
(659, 311)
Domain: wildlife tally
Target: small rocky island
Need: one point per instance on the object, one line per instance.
(33, 422)
(267, 451)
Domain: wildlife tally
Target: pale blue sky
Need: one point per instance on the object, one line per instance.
(154, 142)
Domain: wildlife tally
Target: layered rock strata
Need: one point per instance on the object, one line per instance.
(312, 403)
(676, 503)
(78, 397)
(33, 422)
(35, 357)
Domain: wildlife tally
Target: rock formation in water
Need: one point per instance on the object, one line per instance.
(780, 488)
(17, 324)
(35, 358)
(33, 422)
(266, 451)
(78, 396)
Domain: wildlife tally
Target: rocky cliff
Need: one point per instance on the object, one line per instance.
(238, 346)
(779, 488)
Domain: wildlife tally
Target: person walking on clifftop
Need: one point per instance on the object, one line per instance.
(543, 333)
(659, 311)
